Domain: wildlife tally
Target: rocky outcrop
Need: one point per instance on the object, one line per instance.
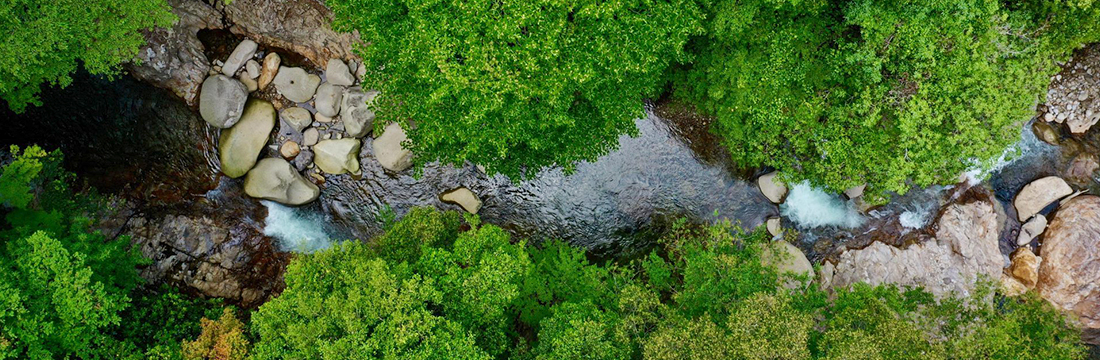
(1039, 194)
(357, 114)
(389, 151)
(222, 101)
(771, 187)
(240, 145)
(276, 180)
(337, 156)
(1069, 275)
(462, 197)
(964, 248)
(173, 58)
(301, 26)
(296, 84)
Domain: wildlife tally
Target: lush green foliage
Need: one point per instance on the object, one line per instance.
(891, 93)
(517, 85)
(65, 289)
(705, 295)
(43, 41)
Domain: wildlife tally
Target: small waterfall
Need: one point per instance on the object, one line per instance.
(296, 230)
(811, 207)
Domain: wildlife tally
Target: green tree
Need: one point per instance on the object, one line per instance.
(516, 85)
(43, 41)
(223, 339)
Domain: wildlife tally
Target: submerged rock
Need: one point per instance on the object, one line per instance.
(296, 84)
(269, 70)
(240, 145)
(1038, 194)
(222, 100)
(357, 114)
(964, 248)
(244, 51)
(771, 187)
(337, 156)
(462, 197)
(328, 99)
(276, 180)
(389, 151)
(1069, 275)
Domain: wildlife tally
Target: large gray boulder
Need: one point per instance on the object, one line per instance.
(244, 51)
(276, 180)
(389, 151)
(787, 259)
(1038, 194)
(296, 84)
(462, 197)
(338, 73)
(328, 99)
(772, 188)
(1069, 275)
(221, 101)
(356, 109)
(240, 145)
(337, 156)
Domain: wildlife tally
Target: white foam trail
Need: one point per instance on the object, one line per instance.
(1028, 145)
(914, 219)
(296, 230)
(810, 207)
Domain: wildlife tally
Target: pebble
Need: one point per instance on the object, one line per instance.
(249, 83)
(327, 136)
(309, 138)
(252, 68)
(324, 119)
(289, 150)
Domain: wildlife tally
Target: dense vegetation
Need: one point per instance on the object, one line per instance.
(43, 41)
(429, 290)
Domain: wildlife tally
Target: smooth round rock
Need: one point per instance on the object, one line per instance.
(1038, 194)
(337, 156)
(357, 114)
(276, 180)
(252, 68)
(221, 101)
(462, 197)
(297, 117)
(240, 145)
(389, 151)
(269, 70)
(289, 150)
(328, 99)
(249, 84)
(310, 137)
(1069, 274)
(296, 84)
(242, 53)
(338, 73)
(772, 188)
(1031, 229)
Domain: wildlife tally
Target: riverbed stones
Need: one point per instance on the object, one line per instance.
(244, 51)
(787, 259)
(240, 145)
(297, 117)
(389, 151)
(357, 114)
(965, 247)
(222, 100)
(338, 73)
(337, 156)
(276, 180)
(462, 197)
(249, 84)
(310, 137)
(328, 99)
(1031, 229)
(289, 150)
(771, 187)
(1069, 274)
(270, 69)
(296, 84)
(1038, 194)
(252, 68)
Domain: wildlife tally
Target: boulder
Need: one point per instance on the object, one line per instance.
(289, 150)
(252, 68)
(389, 151)
(337, 156)
(855, 191)
(462, 197)
(296, 84)
(772, 188)
(774, 226)
(1011, 287)
(1031, 229)
(276, 180)
(338, 73)
(222, 100)
(240, 145)
(964, 248)
(244, 52)
(787, 259)
(1025, 267)
(269, 70)
(310, 137)
(357, 114)
(1069, 274)
(328, 99)
(1038, 194)
(297, 117)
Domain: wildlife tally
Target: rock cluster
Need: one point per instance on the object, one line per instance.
(1072, 96)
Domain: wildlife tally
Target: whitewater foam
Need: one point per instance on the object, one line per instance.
(809, 207)
(296, 230)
